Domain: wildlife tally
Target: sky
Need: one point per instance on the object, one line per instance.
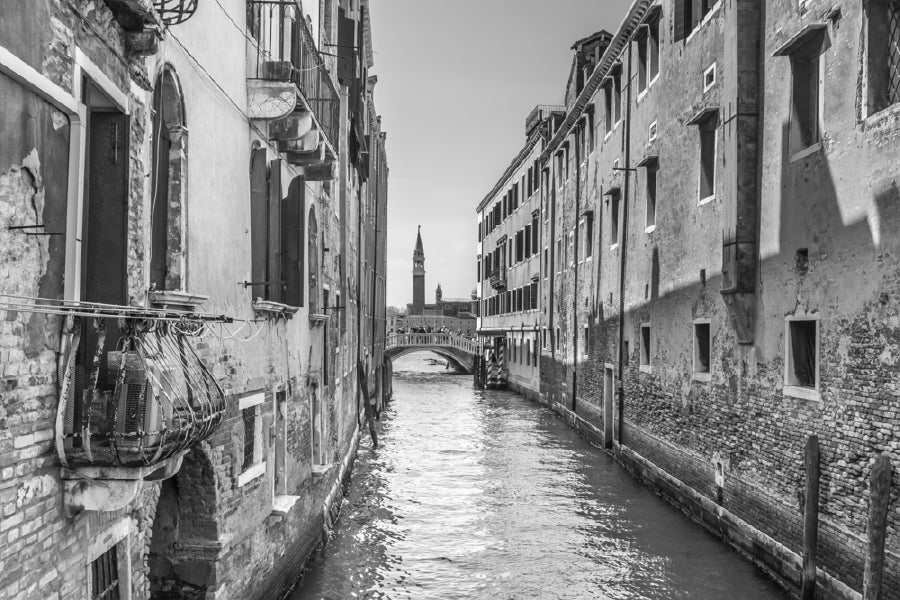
(456, 80)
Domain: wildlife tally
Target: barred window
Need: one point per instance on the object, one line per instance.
(249, 418)
(105, 576)
(883, 53)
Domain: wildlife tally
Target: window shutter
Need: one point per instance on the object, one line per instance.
(292, 210)
(258, 221)
(276, 284)
(346, 51)
(678, 16)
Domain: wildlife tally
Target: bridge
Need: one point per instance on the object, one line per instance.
(459, 350)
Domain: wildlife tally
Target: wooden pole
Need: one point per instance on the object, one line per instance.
(879, 498)
(810, 520)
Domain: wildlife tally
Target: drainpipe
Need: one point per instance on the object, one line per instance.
(575, 287)
(626, 132)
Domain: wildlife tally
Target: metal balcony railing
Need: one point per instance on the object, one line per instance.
(133, 392)
(286, 51)
(498, 278)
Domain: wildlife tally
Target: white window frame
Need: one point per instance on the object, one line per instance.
(790, 388)
(701, 375)
(254, 400)
(707, 199)
(708, 84)
(648, 366)
(652, 132)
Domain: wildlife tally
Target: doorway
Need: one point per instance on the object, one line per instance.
(609, 393)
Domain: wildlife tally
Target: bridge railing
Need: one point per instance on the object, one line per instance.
(442, 340)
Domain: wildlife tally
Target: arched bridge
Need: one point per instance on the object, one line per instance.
(459, 350)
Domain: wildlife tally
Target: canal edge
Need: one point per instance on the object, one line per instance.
(775, 560)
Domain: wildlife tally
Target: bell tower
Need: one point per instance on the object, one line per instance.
(418, 276)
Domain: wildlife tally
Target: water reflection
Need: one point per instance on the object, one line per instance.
(487, 495)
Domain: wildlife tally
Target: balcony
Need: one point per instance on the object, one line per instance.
(134, 398)
(290, 86)
(498, 278)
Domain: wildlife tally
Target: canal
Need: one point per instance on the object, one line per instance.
(483, 494)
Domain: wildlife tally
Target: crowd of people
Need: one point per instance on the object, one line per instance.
(469, 335)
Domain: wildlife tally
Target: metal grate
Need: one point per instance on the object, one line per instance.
(105, 576)
(893, 57)
(249, 417)
(173, 12)
(134, 392)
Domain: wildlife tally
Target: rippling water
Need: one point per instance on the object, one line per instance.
(487, 495)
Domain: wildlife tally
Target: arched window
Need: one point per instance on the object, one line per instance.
(312, 244)
(169, 185)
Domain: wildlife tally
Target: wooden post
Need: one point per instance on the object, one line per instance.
(879, 497)
(810, 520)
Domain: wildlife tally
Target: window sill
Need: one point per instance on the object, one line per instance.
(282, 505)
(709, 16)
(809, 150)
(316, 319)
(646, 368)
(703, 377)
(176, 300)
(321, 470)
(273, 310)
(650, 229)
(802, 393)
(706, 200)
(254, 472)
(614, 247)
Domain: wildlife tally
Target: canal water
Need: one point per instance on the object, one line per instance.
(483, 494)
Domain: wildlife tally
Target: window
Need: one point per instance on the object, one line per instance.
(653, 48)
(527, 241)
(587, 342)
(645, 348)
(801, 368)
(252, 464)
(689, 14)
(520, 246)
(651, 132)
(312, 244)
(702, 347)
(883, 53)
(588, 234)
(707, 129)
(105, 576)
(608, 106)
(528, 353)
(614, 196)
(651, 170)
(617, 96)
(169, 184)
(559, 257)
(546, 262)
(641, 43)
(709, 77)
(534, 235)
(534, 296)
(806, 88)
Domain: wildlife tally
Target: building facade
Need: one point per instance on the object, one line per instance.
(509, 256)
(719, 293)
(188, 288)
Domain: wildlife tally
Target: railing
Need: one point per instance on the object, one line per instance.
(442, 340)
(133, 393)
(498, 278)
(286, 51)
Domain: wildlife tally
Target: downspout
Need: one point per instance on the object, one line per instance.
(626, 133)
(575, 286)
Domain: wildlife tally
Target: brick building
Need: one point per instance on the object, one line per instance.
(718, 205)
(192, 265)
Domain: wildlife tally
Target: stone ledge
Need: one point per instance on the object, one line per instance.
(281, 505)
(274, 309)
(176, 300)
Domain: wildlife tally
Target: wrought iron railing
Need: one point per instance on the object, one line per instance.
(498, 278)
(133, 392)
(286, 51)
(442, 340)
(173, 12)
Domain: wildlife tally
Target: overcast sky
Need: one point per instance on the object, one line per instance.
(456, 80)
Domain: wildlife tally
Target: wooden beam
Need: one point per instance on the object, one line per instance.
(810, 520)
(879, 498)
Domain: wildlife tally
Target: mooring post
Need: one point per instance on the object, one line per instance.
(810, 519)
(879, 497)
